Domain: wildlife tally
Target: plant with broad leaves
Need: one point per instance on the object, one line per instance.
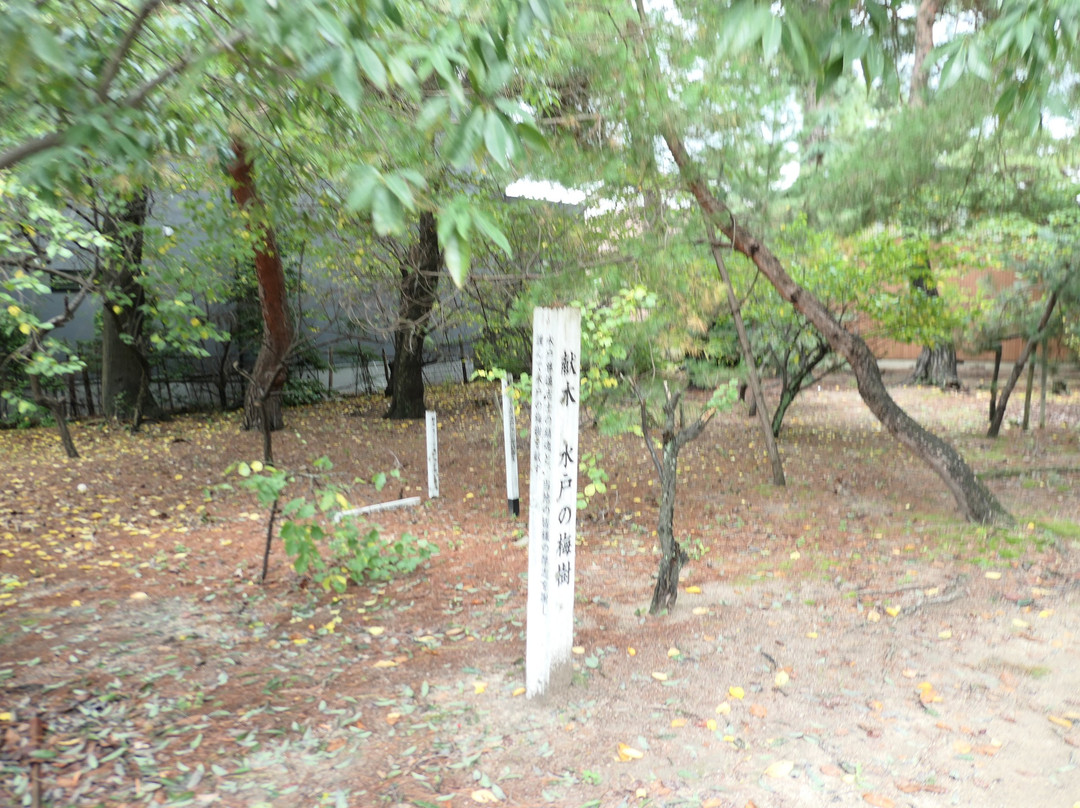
(321, 538)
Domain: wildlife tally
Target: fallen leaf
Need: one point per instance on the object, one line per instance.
(908, 673)
(138, 596)
(479, 687)
(781, 679)
(946, 634)
(710, 724)
(961, 747)
(1061, 722)
(993, 575)
(723, 708)
(578, 649)
(878, 800)
(659, 676)
(795, 556)
(385, 663)
(641, 793)
(627, 753)
(631, 651)
(678, 722)
(781, 768)
(335, 744)
(736, 692)
(714, 802)
(673, 652)
(892, 611)
(1018, 623)
(518, 691)
(484, 795)
(758, 710)
(693, 590)
(700, 610)
(811, 635)
(392, 718)
(873, 616)
(987, 749)
(375, 631)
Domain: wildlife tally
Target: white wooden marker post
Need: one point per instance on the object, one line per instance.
(432, 455)
(556, 383)
(513, 500)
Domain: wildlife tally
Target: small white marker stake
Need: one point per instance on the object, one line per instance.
(432, 455)
(549, 630)
(513, 499)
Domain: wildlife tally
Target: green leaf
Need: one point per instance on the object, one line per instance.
(456, 254)
(466, 138)
(491, 230)
(773, 34)
(951, 72)
(386, 212)
(379, 480)
(370, 63)
(499, 142)
(365, 180)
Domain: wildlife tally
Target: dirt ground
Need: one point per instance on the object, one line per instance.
(843, 641)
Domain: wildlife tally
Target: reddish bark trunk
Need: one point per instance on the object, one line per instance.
(268, 377)
(924, 43)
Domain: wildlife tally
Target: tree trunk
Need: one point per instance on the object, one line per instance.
(125, 371)
(1042, 387)
(748, 358)
(937, 366)
(56, 408)
(271, 369)
(994, 381)
(420, 270)
(673, 439)
(794, 384)
(924, 43)
(975, 500)
(1018, 368)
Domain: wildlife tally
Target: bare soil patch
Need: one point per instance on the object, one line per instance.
(844, 641)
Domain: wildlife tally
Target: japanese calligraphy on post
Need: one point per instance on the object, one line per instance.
(556, 386)
(432, 455)
(513, 502)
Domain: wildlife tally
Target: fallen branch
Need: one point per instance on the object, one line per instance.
(394, 504)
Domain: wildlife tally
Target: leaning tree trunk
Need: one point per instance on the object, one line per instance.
(420, 270)
(1018, 368)
(267, 381)
(793, 384)
(748, 358)
(976, 501)
(994, 381)
(125, 371)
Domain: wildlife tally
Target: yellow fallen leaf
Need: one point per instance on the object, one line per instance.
(736, 692)
(5, 717)
(479, 687)
(946, 634)
(518, 691)
(723, 708)
(1045, 613)
(641, 793)
(710, 724)
(484, 796)
(1020, 623)
(578, 649)
(699, 610)
(781, 768)
(375, 631)
(961, 747)
(993, 575)
(781, 679)
(678, 722)
(892, 611)
(811, 635)
(629, 753)
(873, 616)
(693, 590)
(631, 651)
(392, 718)
(1061, 722)
(76, 603)
(795, 555)
(673, 652)
(300, 641)
(659, 676)
(385, 663)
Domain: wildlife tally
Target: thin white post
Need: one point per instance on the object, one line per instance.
(513, 499)
(432, 455)
(556, 387)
